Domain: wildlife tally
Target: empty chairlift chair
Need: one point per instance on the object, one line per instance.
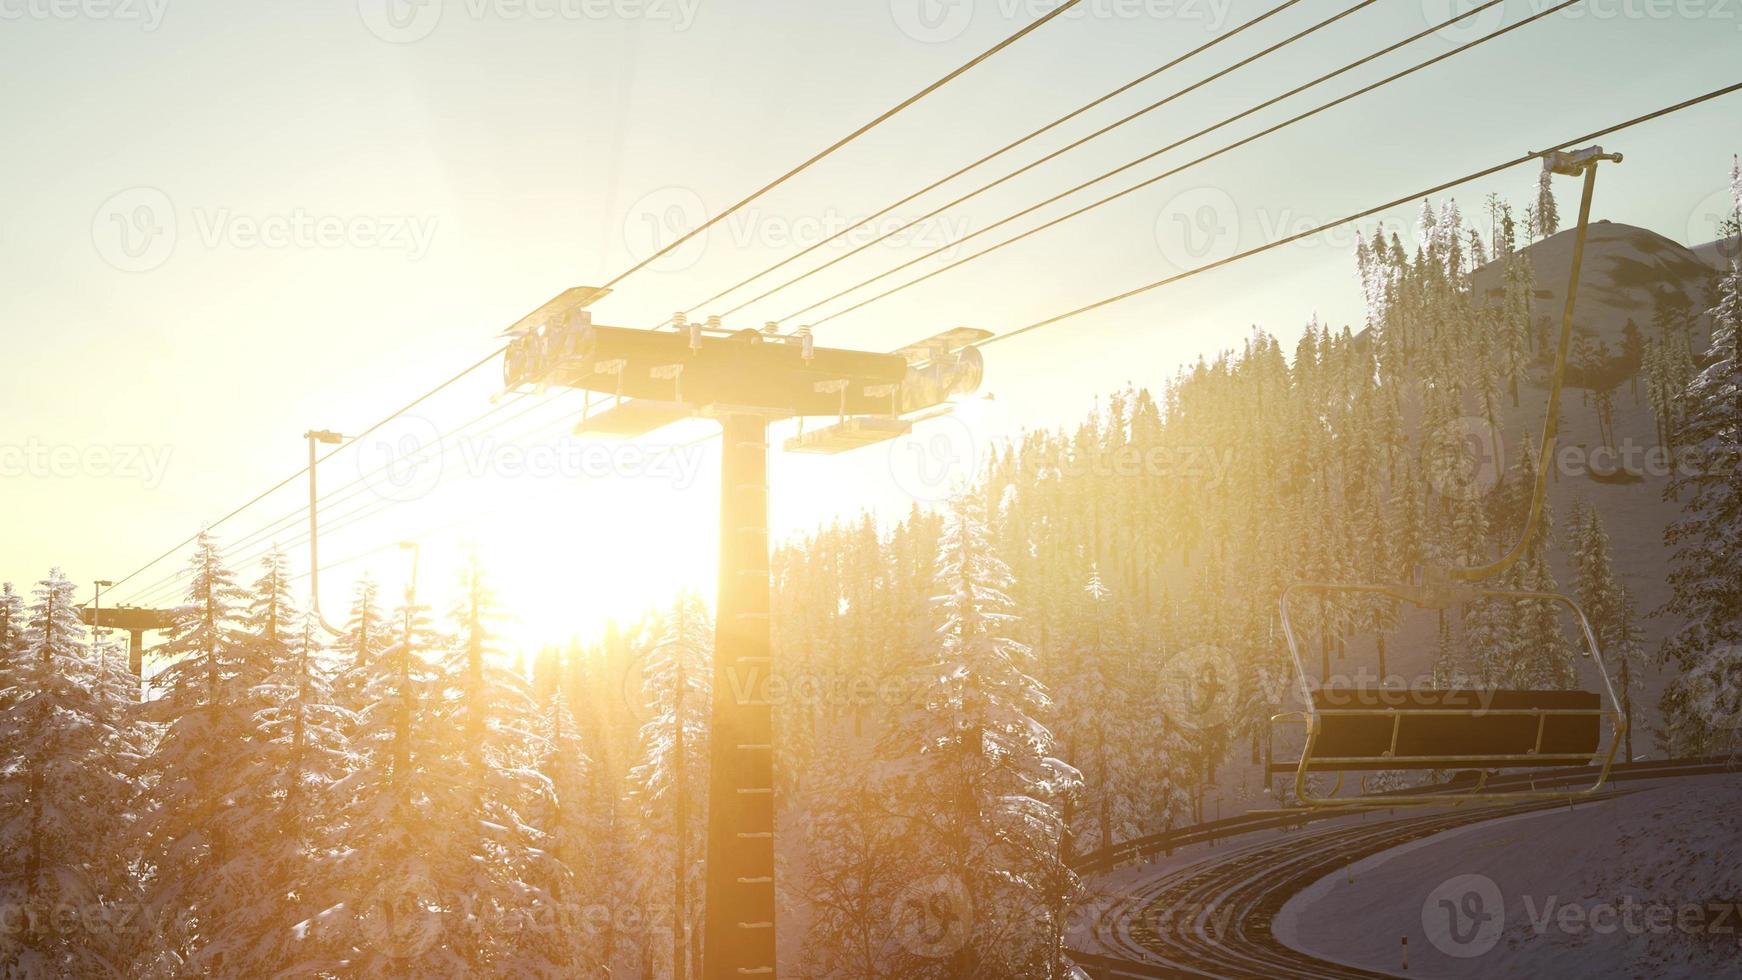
(1377, 729)
(1367, 729)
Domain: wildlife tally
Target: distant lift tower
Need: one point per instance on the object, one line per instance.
(744, 379)
(136, 620)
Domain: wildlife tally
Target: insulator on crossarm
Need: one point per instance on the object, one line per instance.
(680, 320)
(714, 323)
(771, 328)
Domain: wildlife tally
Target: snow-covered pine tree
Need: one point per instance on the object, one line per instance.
(1518, 312)
(671, 781)
(1547, 214)
(205, 709)
(1534, 649)
(367, 634)
(977, 773)
(1706, 567)
(66, 794)
(855, 871)
(286, 808)
(12, 623)
(1109, 733)
(398, 909)
(1607, 604)
(487, 708)
(569, 870)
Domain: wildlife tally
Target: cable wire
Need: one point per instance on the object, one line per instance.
(963, 199)
(904, 104)
(1006, 148)
(342, 494)
(1185, 166)
(1369, 212)
(850, 137)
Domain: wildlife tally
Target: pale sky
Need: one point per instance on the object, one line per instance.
(226, 223)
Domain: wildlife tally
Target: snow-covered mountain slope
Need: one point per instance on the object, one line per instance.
(1648, 884)
(1627, 273)
(1720, 252)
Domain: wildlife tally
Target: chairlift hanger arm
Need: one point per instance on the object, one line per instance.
(1568, 163)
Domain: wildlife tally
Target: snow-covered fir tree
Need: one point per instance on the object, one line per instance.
(367, 634)
(856, 871)
(12, 625)
(1706, 566)
(976, 775)
(1546, 213)
(486, 707)
(397, 909)
(1108, 731)
(1608, 605)
(196, 833)
(300, 751)
(569, 870)
(672, 779)
(66, 795)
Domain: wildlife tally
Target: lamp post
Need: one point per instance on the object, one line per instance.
(317, 437)
(416, 553)
(97, 618)
(402, 714)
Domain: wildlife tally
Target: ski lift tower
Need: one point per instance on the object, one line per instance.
(744, 379)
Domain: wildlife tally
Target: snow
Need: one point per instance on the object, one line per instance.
(1596, 892)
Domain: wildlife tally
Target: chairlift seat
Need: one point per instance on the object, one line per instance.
(1365, 729)
(853, 433)
(633, 417)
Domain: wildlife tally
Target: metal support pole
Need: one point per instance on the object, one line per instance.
(738, 912)
(136, 652)
(315, 438)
